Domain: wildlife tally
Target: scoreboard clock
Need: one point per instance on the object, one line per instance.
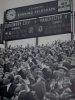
(11, 14)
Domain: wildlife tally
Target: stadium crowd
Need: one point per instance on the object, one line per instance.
(45, 72)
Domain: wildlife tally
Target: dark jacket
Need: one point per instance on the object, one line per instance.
(6, 68)
(26, 96)
(40, 89)
(10, 93)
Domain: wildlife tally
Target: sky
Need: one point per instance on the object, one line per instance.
(7, 4)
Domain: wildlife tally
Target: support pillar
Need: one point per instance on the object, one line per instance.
(36, 41)
(6, 44)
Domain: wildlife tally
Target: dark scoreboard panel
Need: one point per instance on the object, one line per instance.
(37, 10)
(35, 27)
(1, 33)
(30, 11)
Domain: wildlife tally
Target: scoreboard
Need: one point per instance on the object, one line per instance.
(43, 19)
(35, 27)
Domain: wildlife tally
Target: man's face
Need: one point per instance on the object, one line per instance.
(16, 81)
(36, 73)
(5, 79)
(72, 75)
(66, 82)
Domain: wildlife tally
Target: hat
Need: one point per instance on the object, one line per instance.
(72, 70)
(63, 67)
(67, 64)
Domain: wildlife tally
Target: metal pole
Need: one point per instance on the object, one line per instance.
(72, 19)
(6, 44)
(36, 41)
(74, 24)
(2, 33)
